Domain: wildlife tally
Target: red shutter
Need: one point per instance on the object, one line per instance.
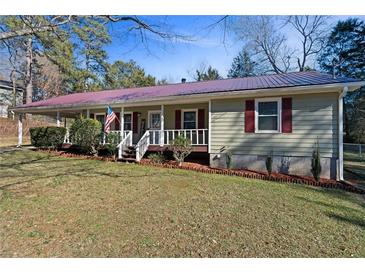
(135, 122)
(117, 121)
(286, 112)
(178, 119)
(201, 118)
(250, 116)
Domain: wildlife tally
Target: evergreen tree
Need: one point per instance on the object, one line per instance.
(126, 75)
(343, 55)
(344, 51)
(242, 66)
(207, 74)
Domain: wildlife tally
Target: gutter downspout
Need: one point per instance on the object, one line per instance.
(340, 133)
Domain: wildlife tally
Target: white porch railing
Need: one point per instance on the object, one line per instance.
(118, 132)
(142, 145)
(127, 141)
(196, 136)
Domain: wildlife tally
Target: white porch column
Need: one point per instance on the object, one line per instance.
(209, 125)
(20, 130)
(340, 133)
(121, 120)
(162, 134)
(88, 113)
(58, 118)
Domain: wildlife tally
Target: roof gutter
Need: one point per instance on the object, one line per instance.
(343, 93)
(199, 96)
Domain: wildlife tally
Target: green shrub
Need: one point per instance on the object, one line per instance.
(86, 133)
(229, 159)
(316, 163)
(268, 163)
(50, 137)
(157, 157)
(113, 138)
(181, 148)
(107, 150)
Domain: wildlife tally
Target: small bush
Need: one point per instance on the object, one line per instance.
(86, 133)
(316, 163)
(181, 148)
(158, 158)
(107, 150)
(229, 159)
(268, 164)
(50, 137)
(113, 138)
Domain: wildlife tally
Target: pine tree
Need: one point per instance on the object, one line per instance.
(242, 66)
(343, 55)
(344, 51)
(127, 74)
(207, 74)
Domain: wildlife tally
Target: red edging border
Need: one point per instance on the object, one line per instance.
(231, 172)
(259, 176)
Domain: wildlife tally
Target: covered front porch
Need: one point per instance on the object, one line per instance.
(146, 127)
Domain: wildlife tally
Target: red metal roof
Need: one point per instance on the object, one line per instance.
(190, 88)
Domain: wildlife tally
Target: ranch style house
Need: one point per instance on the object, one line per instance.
(283, 115)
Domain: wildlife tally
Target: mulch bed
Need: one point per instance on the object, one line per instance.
(275, 177)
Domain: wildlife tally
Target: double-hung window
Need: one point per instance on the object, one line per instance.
(268, 115)
(128, 121)
(189, 119)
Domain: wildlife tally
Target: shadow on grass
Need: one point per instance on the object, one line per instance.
(351, 220)
(54, 167)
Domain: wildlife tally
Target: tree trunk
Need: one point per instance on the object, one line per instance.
(28, 74)
(13, 79)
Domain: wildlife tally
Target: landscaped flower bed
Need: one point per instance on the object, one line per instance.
(276, 177)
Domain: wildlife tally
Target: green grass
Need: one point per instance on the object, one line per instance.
(60, 207)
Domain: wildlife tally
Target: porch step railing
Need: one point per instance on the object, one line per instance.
(117, 132)
(142, 145)
(196, 136)
(127, 141)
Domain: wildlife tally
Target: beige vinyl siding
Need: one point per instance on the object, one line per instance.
(314, 116)
(170, 113)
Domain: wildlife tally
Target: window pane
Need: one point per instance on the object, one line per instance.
(268, 108)
(155, 120)
(189, 119)
(189, 125)
(268, 123)
(189, 116)
(127, 121)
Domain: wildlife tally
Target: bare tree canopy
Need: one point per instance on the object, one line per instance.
(269, 44)
(313, 32)
(266, 37)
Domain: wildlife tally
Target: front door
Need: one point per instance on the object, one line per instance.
(154, 124)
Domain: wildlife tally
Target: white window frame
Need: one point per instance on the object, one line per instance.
(189, 110)
(149, 117)
(271, 99)
(131, 113)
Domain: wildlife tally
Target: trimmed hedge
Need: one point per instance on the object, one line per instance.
(51, 137)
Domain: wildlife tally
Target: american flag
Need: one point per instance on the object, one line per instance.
(109, 119)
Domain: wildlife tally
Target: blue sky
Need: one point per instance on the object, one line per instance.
(174, 60)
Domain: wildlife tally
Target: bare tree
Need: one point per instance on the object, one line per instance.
(262, 35)
(313, 31)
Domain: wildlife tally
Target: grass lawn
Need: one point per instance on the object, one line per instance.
(13, 141)
(60, 207)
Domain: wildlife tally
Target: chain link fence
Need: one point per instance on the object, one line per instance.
(354, 152)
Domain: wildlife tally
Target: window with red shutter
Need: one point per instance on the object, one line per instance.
(286, 119)
(178, 119)
(250, 116)
(201, 118)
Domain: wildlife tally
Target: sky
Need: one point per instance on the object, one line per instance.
(178, 59)
(205, 43)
